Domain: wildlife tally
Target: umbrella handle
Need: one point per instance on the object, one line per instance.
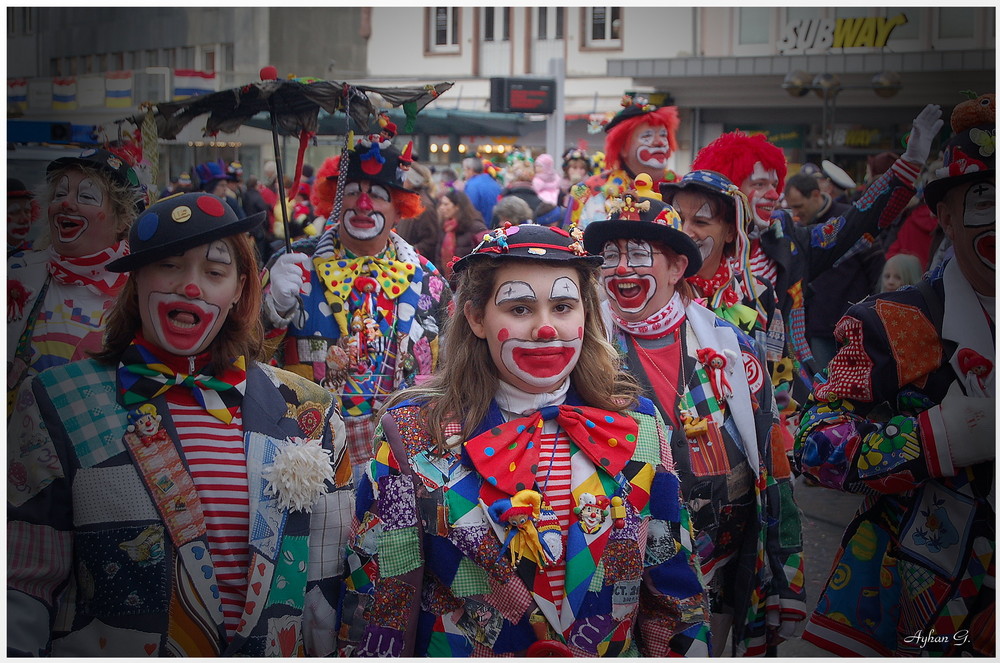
(281, 179)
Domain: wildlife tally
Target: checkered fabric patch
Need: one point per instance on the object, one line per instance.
(328, 530)
(38, 558)
(511, 598)
(397, 551)
(647, 449)
(597, 580)
(84, 395)
(470, 580)
(360, 431)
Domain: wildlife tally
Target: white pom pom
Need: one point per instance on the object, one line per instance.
(298, 474)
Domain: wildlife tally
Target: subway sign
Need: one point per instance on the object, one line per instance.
(820, 34)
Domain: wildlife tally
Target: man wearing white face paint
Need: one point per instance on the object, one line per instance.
(708, 381)
(640, 140)
(918, 558)
(57, 294)
(357, 309)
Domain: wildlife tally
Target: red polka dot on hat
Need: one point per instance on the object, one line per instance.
(211, 205)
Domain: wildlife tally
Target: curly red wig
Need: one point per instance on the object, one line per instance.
(734, 154)
(407, 203)
(619, 135)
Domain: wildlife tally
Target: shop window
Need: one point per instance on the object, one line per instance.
(443, 29)
(956, 23)
(603, 27)
(754, 26)
(208, 60)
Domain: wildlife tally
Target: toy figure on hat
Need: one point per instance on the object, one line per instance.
(528, 409)
(707, 379)
(915, 432)
(640, 139)
(22, 212)
(358, 268)
(60, 291)
(179, 367)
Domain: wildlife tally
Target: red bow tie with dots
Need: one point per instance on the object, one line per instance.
(507, 455)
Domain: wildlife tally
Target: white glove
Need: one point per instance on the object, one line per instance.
(970, 423)
(289, 278)
(925, 126)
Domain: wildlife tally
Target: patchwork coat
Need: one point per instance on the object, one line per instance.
(735, 479)
(106, 537)
(919, 557)
(427, 575)
(314, 340)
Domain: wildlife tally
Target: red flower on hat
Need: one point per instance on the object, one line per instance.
(962, 163)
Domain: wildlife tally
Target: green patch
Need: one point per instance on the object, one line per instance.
(470, 579)
(288, 587)
(398, 551)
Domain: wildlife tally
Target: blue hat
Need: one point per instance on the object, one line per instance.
(210, 172)
(178, 223)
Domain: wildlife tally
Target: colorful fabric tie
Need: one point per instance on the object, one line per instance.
(339, 275)
(90, 271)
(507, 455)
(143, 377)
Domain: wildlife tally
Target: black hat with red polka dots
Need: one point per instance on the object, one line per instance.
(178, 223)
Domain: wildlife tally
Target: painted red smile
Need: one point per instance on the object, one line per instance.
(631, 293)
(544, 361)
(69, 227)
(184, 323)
(986, 248)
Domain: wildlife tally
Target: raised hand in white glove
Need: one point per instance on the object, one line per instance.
(971, 424)
(289, 277)
(925, 126)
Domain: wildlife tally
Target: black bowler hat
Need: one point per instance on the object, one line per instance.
(532, 242)
(16, 189)
(178, 223)
(113, 164)
(636, 217)
(632, 106)
(969, 156)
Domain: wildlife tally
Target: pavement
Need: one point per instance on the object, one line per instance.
(825, 515)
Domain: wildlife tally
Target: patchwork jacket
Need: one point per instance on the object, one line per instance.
(107, 545)
(428, 575)
(919, 557)
(735, 480)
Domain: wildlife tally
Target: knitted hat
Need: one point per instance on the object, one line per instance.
(642, 218)
(178, 223)
(530, 241)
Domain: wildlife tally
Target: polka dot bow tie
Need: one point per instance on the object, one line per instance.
(507, 455)
(340, 275)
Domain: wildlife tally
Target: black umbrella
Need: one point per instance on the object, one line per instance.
(293, 105)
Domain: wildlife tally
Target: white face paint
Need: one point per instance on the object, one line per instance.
(762, 190)
(980, 213)
(366, 211)
(652, 147)
(631, 283)
(534, 341)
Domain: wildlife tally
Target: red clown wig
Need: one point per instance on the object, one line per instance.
(734, 154)
(406, 203)
(620, 134)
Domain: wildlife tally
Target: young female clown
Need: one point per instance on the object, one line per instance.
(186, 498)
(708, 381)
(524, 501)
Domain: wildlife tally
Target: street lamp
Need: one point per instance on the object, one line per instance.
(827, 86)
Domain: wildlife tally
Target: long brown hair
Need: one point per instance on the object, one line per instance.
(467, 379)
(467, 212)
(241, 334)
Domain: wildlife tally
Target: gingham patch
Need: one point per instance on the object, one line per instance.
(38, 558)
(511, 598)
(84, 395)
(647, 449)
(397, 551)
(470, 580)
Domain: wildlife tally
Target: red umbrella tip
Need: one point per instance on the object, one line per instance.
(269, 73)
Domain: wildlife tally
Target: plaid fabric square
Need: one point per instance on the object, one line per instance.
(84, 395)
(597, 580)
(360, 432)
(39, 558)
(470, 580)
(328, 530)
(398, 551)
(391, 600)
(511, 598)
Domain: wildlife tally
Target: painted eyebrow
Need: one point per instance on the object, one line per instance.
(514, 290)
(566, 284)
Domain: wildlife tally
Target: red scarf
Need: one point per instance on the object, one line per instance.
(723, 278)
(448, 244)
(90, 271)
